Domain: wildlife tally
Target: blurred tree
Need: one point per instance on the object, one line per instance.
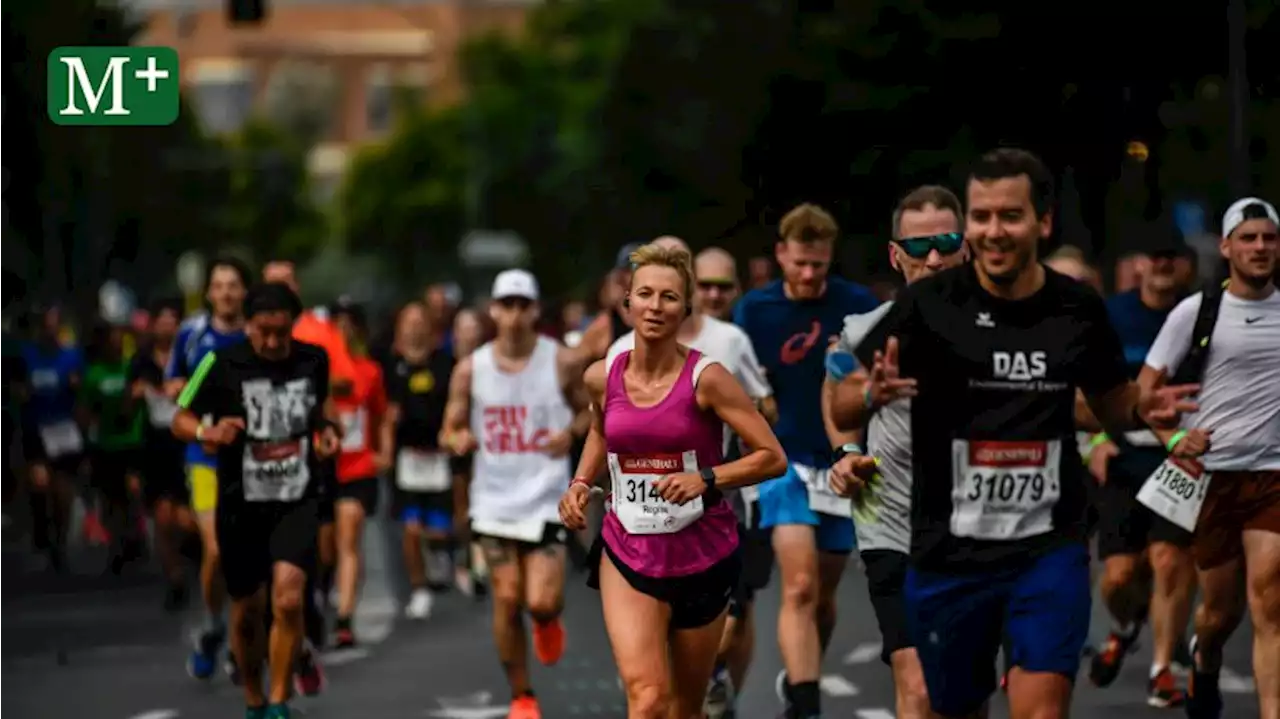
(270, 208)
(404, 198)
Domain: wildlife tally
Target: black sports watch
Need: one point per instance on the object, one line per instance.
(709, 476)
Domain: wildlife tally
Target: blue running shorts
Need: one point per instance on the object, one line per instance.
(785, 501)
(956, 623)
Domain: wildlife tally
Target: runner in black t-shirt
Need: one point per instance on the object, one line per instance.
(417, 390)
(161, 464)
(274, 422)
(998, 349)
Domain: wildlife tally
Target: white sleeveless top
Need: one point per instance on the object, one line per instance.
(512, 416)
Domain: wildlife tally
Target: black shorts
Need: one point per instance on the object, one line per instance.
(757, 562)
(886, 572)
(163, 469)
(110, 471)
(696, 600)
(254, 536)
(1125, 525)
(364, 491)
(327, 482)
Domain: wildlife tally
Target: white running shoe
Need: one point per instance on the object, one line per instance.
(419, 606)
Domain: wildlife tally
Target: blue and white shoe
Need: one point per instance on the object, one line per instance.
(203, 661)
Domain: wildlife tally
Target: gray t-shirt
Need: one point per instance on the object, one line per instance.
(889, 439)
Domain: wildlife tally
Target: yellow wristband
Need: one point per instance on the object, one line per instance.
(1098, 439)
(1175, 439)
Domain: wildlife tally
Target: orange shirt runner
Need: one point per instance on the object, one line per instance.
(361, 413)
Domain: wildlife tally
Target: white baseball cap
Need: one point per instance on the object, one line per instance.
(515, 283)
(1235, 215)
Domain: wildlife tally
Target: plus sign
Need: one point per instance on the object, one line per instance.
(151, 74)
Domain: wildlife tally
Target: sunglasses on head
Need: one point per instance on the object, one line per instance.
(919, 248)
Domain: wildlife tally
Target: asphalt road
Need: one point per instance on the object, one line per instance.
(92, 648)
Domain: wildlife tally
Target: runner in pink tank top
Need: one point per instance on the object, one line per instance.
(667, 559)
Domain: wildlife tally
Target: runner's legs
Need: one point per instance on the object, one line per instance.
(356, 500)
(1262, 567)
(543, 569)
(505, 583)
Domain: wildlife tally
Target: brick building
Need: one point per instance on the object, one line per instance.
(343, 60)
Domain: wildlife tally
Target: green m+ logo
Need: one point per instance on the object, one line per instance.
(120, 86)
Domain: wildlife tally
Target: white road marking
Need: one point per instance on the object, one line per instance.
(472, 706)
(338, 657)
(873, 714)
(156, 714)
(863, 653)
(834, 685)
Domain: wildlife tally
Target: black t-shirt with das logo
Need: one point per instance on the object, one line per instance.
(996, 472)
(282, 405)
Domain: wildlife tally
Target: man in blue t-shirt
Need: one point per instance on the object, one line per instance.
(790, 322)
(1135, 543)
(53, 443)
(222, 326)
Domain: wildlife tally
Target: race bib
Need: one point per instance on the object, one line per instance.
(418, 471)
(353, 424)
(61, 439)
(521, 530)
(821, 498)
(160, 409)
(1004, 491)
(1176, 491)
(276, 471)
(636, 501)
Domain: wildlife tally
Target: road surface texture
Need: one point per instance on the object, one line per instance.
(94, 648)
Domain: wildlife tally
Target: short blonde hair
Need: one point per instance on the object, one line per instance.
(808, 223)
(661, 256)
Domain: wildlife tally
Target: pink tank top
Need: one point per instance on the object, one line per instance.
(674, 426)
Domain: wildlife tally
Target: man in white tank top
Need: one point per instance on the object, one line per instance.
(519, 402)
(729, 345)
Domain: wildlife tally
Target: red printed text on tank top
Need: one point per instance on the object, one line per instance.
(506, 431)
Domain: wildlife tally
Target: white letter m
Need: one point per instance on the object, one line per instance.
(77, 76)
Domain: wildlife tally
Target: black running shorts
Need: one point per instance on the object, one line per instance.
(696, 600)
(254, 536)
(886, 572)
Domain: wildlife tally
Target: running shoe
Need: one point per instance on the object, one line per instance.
(1107, 661)
(1163, 691)
(548, 641)
(720, 697)
(204, 656)
(419, 606)
(524, 708)
(308, 677)
(277, 711)
(343, 635)
(231, 669)
(1204, 697)
(255, 712)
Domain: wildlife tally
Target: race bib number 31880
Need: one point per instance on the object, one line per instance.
(1176, 491)
(1004, 490)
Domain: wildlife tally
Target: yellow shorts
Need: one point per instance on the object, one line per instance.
(202, 480)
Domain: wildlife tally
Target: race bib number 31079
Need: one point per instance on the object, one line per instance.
(1004, 490)
(1176, 491)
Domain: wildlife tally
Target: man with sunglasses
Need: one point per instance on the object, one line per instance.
(926, 240)
(717, 288)
(519, 403)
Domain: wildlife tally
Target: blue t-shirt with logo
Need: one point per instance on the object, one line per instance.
(1137, 324)
(790, 337)
(196, 338)
(51, 369)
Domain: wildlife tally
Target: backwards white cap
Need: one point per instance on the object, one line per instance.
(1234, 216)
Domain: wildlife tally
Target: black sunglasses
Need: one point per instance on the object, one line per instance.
(520, 303)
(919, 248)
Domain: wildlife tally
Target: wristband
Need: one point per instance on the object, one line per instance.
(1097, 439)
(200, 432)
(846, 449)
(866, 397)
(580, 480)
(1175, 439)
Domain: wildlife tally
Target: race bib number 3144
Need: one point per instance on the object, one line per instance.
(1004, 490)
(636, 501)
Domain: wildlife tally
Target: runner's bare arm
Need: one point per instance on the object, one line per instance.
(837, 434)
(720, 392)
(848, 401)
(591, 464)
(457, 411)
(575, 391)
(1086, 421)
(595, 340)
(387, 429)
